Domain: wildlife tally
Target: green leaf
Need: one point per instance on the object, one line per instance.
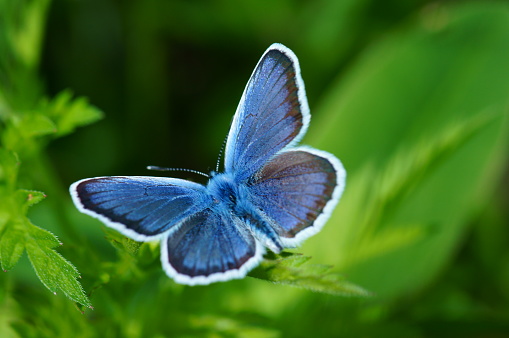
(413, 164)
(28, 198)
(21, 132)
(54, 271)
(407, 122)
(69, 113)
(290, 269)
(382, 242)
(23, 123)
(32, 125)
(18, 234)
(12, 245)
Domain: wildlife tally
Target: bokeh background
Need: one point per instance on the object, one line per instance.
(412, 96)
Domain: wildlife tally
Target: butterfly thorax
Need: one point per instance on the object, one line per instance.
(225, 190)
(234, 197)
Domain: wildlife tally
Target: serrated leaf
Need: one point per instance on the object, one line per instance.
(286, 258)
(54, 271)
(32, 125)
(18, 234)
(289, 269)
(12, 245)
(43, 237)
(20, 132)
(69, 113)
(27, 198)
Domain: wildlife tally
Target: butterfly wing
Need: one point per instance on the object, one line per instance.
(273, 113)
(210, 246)
(142, 208)
(296, 192)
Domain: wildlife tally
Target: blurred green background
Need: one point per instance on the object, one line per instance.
(412, 96)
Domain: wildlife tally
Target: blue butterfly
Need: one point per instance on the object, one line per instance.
(271, 194)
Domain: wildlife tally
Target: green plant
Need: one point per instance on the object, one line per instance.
(412, 96)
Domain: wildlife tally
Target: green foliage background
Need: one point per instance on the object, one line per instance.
(412, 96)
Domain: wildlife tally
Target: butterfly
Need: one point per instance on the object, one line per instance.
(271, 194)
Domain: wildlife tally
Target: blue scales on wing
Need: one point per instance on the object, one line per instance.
(272, 113)
(140, 207)
(294, 188)
(210, 243)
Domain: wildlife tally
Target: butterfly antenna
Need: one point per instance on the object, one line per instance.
(157, 168)
(221, 154)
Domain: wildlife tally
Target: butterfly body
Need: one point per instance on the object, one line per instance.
(224, 190)
(271, 194)
(235, 198)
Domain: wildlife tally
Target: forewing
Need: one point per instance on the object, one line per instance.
(273, 113)
(297, 190)
(142, 208)
(208, 247)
